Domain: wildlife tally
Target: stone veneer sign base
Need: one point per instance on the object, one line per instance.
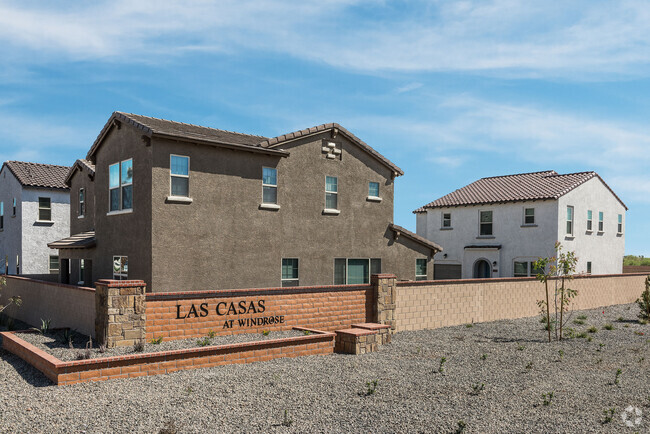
(137, 365)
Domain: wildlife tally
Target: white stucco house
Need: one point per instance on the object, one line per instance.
(498, 226)
(34, 210)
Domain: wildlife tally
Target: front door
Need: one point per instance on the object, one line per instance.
(482, 269)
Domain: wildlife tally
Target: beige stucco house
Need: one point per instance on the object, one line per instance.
(186, 207)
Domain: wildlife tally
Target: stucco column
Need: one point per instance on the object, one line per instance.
(384, 286)
(120, 312)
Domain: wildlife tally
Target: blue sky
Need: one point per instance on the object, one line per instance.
(449, 91)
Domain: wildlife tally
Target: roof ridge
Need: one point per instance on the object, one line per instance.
(37, 164)
(519, 174)
(191, 125)
(569, 174)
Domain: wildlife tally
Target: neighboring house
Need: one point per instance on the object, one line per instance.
(497, 227)
(34, 201)
(185, 207)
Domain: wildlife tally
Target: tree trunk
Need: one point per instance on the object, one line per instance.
(561, 306)
(548, 313)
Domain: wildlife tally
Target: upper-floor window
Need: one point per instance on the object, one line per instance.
(269, 185)
(529, 216)
(2, 215)
(485, 225)
(620, 224)
(569, 220)
(82, 202)
(446, 220)
(179, 172)
(421, 269)
(331, 192)
(14, 210)
(601, 223)
(290, 272)
(589, 220)
(373, 189)
(120, 267)
(120, 185)
(45, 209)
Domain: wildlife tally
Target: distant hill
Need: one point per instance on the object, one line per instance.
(631, 260)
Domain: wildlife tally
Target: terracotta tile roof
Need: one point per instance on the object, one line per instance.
(83, 240)
(38, 175)
(515, 188)
(79, 165)
(277, 141)
(400, 231)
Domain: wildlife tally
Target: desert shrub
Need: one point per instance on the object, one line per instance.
(644, 302)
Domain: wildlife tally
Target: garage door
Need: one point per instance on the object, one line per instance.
(446, 271)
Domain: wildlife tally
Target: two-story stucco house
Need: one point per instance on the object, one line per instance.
(186, 207)
(497, 227)
(34, 209)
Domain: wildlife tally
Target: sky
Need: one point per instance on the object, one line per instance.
(450, 91)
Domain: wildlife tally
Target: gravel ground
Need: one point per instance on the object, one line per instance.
(56, 343)
(329, 393)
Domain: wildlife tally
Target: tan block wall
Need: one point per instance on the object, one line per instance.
(65, 305)
(433, 304)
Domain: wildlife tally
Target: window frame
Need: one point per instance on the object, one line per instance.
(514, 268)
(601, 221)
(13, 214)
(81, 210)
(270, 186)
(420, 277)
(334, 193)
(525, 216)
(374, 196)
(121, 275)
(82, 267)
(58, 264)
(590, 220)
(444, 219)
(120, 187)
(619, 224)
(570, 227)
(2, 216)
(42, 209)
(481, 223)
(173, 175)
(291, 280)
(589, 267)
(346, 264)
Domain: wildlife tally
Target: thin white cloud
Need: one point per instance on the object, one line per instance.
(409, 87)
(580, 39)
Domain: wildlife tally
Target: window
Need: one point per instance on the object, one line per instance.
(2, 215)
(54, 264)
(340, 271)
(485, 223)
(179, 172)
(17, 265)
(355, 271)
(601, 224)
(446, 220)
(589, 220)
(121, 185)
(120, 267)
(358, 271)
(82, 203)
(331, 192)
(269, 185)
(569, 220)
(620, 223)
(82, 266)
(289, 272)
(521, 269)
(373, 189)
(588, 267)
(44, 209)
(421, 269)
(529, 216)
(14, 210)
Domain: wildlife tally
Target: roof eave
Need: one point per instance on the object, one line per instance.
(221, 144)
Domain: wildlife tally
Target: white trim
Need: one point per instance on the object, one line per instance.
(426, 269)
(374, 199)
(272, 206)
(120, 211)
(330, 211)
(178, 199)
(573, 219)
(45, 221)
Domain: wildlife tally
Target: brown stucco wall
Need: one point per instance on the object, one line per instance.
(223, 240)
(81, 179)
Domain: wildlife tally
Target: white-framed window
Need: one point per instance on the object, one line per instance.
(179, 174)
(421, 269)
(82, 202)
(120, 267)
(373, 189)
(120, 185)
(529, 216)
(331, 192)
(485, 223)
(620, 224)
(355, 271)
(269, 185)
(290, 272)
(2, 215)
(569, 220)
(589, 267)
(54, 264)
(44, 209)
(601, 221)
(446, 220)
(13, 214)
(590, 216)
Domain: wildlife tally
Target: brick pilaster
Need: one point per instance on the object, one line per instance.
(120, 318)
(384, 286)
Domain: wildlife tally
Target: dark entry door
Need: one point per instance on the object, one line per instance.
(482, 269)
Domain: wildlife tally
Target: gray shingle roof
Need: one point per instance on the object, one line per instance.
(515, 188)
(39, 175)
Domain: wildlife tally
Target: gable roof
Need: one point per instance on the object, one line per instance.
(336, 128)
(80, 164)
(212, 136)
(38, 175)
(398, 230)
(515, 188)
